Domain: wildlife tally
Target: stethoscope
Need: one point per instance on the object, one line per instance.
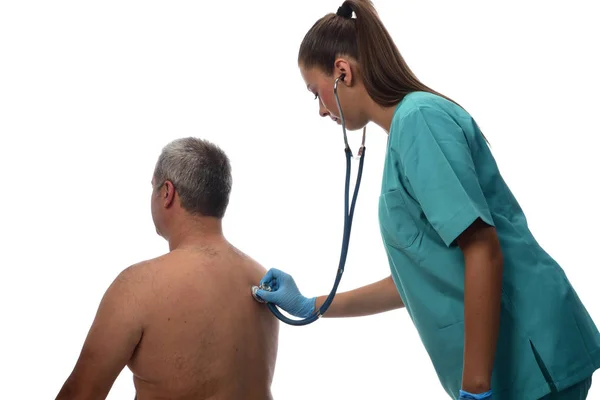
(348, 215)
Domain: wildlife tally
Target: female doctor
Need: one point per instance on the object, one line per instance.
(495, 312)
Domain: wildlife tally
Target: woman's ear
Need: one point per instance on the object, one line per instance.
(342, 67)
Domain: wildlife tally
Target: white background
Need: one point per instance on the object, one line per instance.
(90, 92)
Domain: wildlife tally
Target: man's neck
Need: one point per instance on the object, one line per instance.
(197, 231)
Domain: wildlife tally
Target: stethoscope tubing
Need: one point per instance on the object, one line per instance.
(348, 217)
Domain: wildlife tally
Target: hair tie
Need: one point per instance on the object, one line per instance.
(345, 11)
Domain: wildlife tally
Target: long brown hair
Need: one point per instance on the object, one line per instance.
(385, 74)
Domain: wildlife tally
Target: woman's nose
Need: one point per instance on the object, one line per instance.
(323, 112)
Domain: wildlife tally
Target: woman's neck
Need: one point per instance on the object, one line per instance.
(382, 116)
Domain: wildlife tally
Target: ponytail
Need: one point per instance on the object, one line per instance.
(386, 76)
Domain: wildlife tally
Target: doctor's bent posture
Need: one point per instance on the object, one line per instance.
(496, 313)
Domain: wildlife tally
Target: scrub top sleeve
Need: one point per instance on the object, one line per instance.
(438, 165)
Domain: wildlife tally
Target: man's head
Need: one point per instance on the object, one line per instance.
(192, 178)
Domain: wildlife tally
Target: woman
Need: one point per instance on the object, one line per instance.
(494, 310)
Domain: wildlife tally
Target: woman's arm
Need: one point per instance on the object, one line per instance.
(375, 298)
(282, 291)
(483, 290)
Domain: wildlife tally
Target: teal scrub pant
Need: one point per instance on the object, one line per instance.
(578, 391)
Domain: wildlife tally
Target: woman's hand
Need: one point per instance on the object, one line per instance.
(285, 294)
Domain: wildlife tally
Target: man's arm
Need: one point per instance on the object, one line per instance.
(375, 298)
(111, 341)
(483, 289)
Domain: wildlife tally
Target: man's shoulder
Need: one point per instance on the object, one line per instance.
(141, 272)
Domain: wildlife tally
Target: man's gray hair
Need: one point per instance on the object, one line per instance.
(200, 172)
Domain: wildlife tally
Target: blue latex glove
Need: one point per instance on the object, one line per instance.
(470, 396)
(285, 294)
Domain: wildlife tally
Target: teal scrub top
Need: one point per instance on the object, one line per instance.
(439, 177)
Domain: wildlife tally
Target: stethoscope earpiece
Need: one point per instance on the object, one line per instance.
(341, 113)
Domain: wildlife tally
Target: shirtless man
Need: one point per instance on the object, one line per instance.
(161, 317)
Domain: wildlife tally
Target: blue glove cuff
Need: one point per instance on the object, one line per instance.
(470, 396)
(308, 307)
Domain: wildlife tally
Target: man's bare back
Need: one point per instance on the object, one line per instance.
(193, 346)
(164, 318)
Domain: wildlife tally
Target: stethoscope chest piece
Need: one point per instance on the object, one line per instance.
(261, 287)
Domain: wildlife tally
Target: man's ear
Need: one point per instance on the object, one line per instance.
(167, 194)
(343, 66)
